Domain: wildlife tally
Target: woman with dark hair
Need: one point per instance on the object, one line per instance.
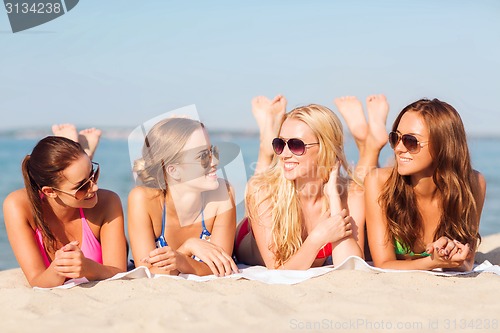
(61, 226)
(428, 206)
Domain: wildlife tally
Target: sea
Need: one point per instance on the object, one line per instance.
(113, 155)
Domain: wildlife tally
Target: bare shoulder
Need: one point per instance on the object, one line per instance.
(481, 180)
(108, 207)
(18, 206)
(107, 198)
(377, 177)
(17, 197)
(143, 194)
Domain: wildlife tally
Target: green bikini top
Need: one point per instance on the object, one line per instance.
(404, 252)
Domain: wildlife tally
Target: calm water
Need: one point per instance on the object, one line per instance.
(116, 175)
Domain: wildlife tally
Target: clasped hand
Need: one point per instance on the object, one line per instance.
(167, 259)
(451, 252)
(69, 261)
(335, 227)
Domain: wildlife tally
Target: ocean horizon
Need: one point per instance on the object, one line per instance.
(122, 133)
(116, 175)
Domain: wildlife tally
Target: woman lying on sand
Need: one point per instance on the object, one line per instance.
(182, 218)
(300, 209)
(428, 206)
(61, 225)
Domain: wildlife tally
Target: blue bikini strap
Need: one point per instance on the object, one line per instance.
(163, 218)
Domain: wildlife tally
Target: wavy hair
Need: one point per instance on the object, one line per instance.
(453, 175)
(271, 185)
(44, 167)
(162, 146)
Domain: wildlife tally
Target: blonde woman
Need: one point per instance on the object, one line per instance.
(181, 218)
(301, 210)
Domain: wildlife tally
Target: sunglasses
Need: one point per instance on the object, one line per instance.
(82, 191)
(409, 141)
(206, 157)
(296, 146)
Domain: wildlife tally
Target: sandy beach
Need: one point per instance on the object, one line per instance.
(337, 301)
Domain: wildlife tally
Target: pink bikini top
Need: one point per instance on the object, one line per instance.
(90, 246)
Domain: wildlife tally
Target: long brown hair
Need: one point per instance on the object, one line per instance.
(453, 175)
(43, 167)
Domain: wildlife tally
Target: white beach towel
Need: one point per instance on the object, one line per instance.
(287, 277)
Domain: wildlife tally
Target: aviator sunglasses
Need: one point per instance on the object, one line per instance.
(296, 146)
(82, 191)
(206, 157)
(409, 141)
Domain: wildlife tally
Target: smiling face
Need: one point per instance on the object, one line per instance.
(195, 154)
(72, 178)
(304, 166)
(421, 162)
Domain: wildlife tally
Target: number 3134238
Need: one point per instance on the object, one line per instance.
(33, 8)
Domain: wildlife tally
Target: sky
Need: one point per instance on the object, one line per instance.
(119, 62)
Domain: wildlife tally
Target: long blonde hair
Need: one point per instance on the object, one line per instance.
(271, 185)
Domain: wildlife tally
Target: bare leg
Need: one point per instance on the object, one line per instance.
(89, 139)
(377, 108)
(352, 112)
(269, 116)
(67, 131)
(370, 138)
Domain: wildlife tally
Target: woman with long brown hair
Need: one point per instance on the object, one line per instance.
(428, 206)
(61, 225)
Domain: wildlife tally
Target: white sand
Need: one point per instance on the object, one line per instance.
(343, 301)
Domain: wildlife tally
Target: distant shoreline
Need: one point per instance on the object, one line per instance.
(113, 133)
(122, 133)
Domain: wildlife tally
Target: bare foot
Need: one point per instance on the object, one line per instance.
(269, 116)
(352, 111)
(67, 131)
(377, 108)
(89, 139)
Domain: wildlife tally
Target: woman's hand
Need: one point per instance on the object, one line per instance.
(332, 191)
(69, 261)
(443, 247)
(219, 262)
(448, 253)
(333, 228)
(165, 259)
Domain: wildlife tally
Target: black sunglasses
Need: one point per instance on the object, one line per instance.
(296, 146)
(409, 141)
(82, 191)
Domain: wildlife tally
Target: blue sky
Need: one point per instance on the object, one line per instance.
(120, 62)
